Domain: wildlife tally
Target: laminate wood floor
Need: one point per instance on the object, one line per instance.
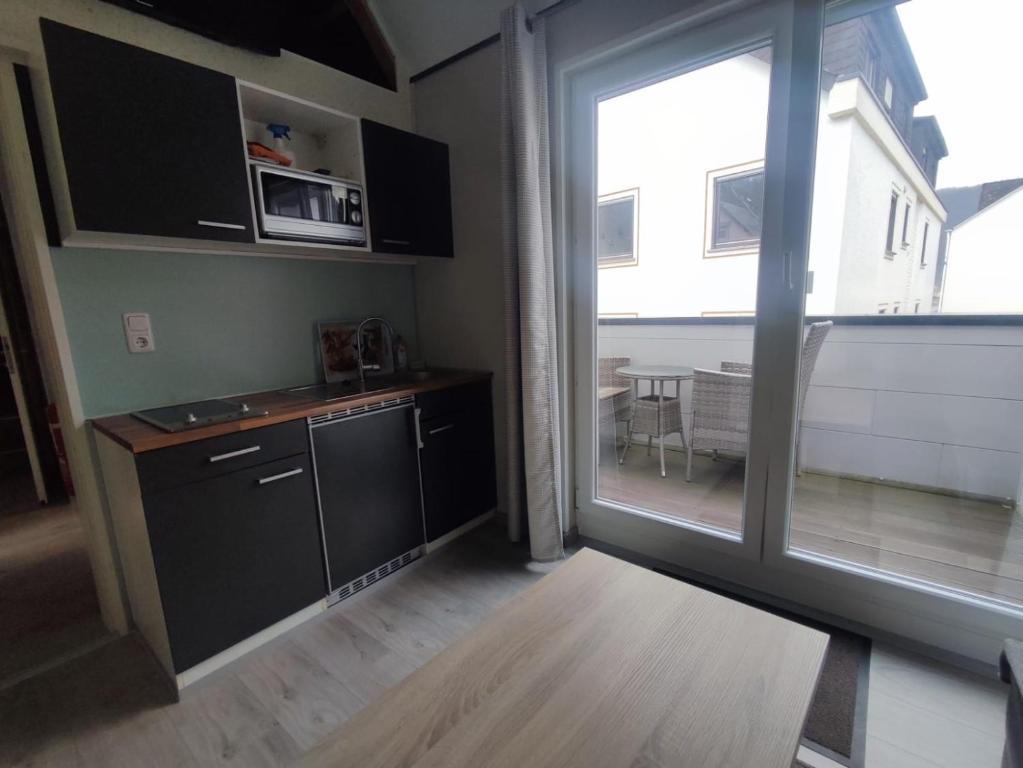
(48, 599)
(967, 545)
(113, 707)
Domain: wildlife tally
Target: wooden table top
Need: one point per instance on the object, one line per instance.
(138, 436)
(600, 663)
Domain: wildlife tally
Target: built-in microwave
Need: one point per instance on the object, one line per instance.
(297, 205)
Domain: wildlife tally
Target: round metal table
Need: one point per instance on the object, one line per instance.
(655, 374)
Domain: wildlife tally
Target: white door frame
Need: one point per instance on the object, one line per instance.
(886, 604)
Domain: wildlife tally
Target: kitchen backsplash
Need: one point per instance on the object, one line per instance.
(221, 324)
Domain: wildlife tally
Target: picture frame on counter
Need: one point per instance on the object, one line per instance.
(338, 350)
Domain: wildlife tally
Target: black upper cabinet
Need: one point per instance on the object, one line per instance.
(152, 145)
(408, 189)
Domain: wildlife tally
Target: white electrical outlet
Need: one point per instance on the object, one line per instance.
(138, 332)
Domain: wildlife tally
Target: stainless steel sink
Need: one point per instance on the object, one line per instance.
(344, 389)
(339, 390)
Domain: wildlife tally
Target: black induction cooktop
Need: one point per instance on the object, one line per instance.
(177, 418)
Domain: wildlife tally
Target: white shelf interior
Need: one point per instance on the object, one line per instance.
(321, 138)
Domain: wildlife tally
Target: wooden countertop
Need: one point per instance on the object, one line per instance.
(138, 436)
(600, 663)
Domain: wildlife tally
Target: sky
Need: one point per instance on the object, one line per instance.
(968, 54)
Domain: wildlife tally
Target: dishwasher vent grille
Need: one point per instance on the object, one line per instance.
(334, 415)
(371, 577)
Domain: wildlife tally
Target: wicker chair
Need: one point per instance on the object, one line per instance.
(614, 394)
(721, 401)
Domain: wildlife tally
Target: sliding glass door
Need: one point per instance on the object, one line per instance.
(766, 389)
(668, 239)
(907, 461)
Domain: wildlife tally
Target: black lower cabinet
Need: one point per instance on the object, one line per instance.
(368, 481)
(234, 554)
(457, 457)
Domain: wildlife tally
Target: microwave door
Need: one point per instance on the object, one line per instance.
(284, 197)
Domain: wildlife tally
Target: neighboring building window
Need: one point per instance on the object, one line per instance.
(905, 225)
(889, 92)
(617, 220)
(893, 208)
(872, 68)
(895, 308)
(916, 308)
(736, 209)
(923, 246)
(882, 309)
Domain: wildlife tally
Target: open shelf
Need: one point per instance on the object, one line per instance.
(321, 138)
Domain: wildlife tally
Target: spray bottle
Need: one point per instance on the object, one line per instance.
(280, 132)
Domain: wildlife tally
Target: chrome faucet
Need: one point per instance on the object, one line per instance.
(358, 345)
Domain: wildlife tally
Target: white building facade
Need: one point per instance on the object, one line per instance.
(984, 260)
(684, 155)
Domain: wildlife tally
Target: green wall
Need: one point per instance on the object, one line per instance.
(222, 325)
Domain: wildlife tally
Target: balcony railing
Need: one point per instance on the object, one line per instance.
(932, 402)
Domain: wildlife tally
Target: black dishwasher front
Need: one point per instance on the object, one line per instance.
(367, 476)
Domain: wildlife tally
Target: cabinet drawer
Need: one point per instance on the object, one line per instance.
(169, 467)
(235, 554)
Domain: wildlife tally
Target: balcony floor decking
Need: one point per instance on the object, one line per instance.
(967, 545)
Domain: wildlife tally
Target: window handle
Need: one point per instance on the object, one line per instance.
(786, 270)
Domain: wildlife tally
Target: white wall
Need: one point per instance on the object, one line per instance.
(460, 301)
(984, 271)
(936, 406)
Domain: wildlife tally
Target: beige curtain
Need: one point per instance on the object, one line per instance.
(531, 353)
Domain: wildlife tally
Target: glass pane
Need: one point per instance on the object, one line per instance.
(911, 417)
(285, 196)
(738, 209)
(680, 196)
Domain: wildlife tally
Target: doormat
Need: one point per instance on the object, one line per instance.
(836, 725)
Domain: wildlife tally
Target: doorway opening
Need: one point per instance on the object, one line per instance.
(48, 598)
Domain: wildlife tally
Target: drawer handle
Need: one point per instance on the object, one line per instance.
(219, 224)
(233, 454)
(389, 241)
(281, 476)
(438, 430)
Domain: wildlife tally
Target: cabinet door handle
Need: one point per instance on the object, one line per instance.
(389, 241)
(219, 224)
(419, 434)
(438, 430)
(281, 476)
(233, 454)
